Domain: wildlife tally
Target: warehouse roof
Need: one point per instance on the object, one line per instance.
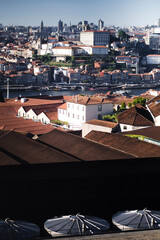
(80, 147)
(124, 143)
(136, 116)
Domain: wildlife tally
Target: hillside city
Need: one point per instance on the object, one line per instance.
(72, 154)
(83, 53)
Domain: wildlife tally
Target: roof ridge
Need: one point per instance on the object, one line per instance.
(113, 148)
(145, 118)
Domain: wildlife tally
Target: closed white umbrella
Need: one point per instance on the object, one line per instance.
(17, 230)
(137, 219)
(73, 225)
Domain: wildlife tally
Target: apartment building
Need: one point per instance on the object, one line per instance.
(95, 37)
(81, 109)
(153, 59)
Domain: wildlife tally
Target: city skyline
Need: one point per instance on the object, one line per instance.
(119, 13)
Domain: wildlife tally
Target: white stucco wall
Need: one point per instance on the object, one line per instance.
(125, 127)
(62, 115)
(87, 128)
(62, 51)
(92, 111)
(157, 121)
(32, 115)
(21, 112)
(43, 118)
(76, 113)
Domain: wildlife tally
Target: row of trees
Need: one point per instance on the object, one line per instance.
(113, 117)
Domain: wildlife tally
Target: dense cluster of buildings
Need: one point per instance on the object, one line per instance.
(19, 44)
(56, 153)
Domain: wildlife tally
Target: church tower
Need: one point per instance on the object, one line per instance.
(42, 32)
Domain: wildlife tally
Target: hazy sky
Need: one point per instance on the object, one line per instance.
(112, 12)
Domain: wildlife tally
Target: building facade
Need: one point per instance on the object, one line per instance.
(83, 109)
(95, 37)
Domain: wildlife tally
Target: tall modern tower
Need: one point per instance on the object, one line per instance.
(100, 24)
(42, 32)
(60, 26)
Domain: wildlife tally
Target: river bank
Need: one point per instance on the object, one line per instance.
(135, 89)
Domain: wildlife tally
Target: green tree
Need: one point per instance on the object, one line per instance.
(111, 117)
(123, 106)
(123, 36)
(129, 105)
(139, 100)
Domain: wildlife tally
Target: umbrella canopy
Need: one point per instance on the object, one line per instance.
(137, 219)
(17, 230)
(75, 225)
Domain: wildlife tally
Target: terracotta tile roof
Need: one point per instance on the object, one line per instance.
(136, 116)
(79, 147)
(119, 99)
(11, 107)
(151, 132)
(42, 108)
(23, 125)
(126, 144)
(154, 99)
(27, 151)
(88, 100)
(98, 46)
(102, 123)
(154, 107)
(52, 115)
(63, 106)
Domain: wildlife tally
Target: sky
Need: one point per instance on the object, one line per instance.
(121, 13)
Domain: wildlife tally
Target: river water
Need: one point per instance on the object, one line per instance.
(13, 94)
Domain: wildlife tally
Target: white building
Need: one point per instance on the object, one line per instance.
(82, 109)
(153, 107)
(153, 59)
(98, 125)
(47, 117)
(134, 118)
(95, 37)
(153, 41)
(63, 51)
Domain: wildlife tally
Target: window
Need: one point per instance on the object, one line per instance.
(68, 114)
(125, 127)
(73, 115)
(63, 111)
(73, 106)
(82, 108)
(99, 107)
(68, 105)
(77, 107)
(77, 116)
(99, 116)
(83, 118)
(59, 110)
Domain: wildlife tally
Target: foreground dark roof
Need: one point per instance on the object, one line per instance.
(79, 147)
(23, 150)
(126, 144)
(136, 116)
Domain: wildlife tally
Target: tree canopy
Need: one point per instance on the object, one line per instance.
(139, 100)
(123, 36)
